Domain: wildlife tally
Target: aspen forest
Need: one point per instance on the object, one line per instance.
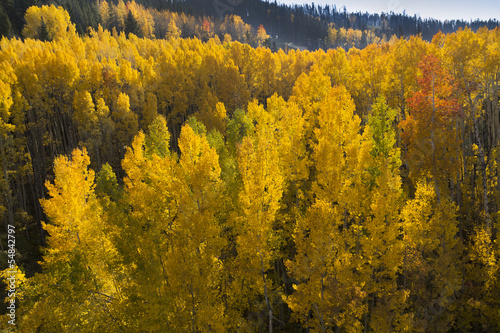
(159, 182)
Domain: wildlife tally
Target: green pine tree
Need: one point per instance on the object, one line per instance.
(43, 32)
(131, 26)
(5, 25)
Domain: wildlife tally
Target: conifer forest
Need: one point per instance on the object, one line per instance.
(170, 170)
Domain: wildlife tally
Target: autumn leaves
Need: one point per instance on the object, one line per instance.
(237, 189)
(206, 229)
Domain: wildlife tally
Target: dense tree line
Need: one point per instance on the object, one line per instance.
(306, 25)
(180, 185)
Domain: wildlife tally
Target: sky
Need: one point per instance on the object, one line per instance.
(438, 9)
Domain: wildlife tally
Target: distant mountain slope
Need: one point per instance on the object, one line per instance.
(303, 25)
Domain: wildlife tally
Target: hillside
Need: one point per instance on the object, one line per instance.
(305, 26)
(170, 172)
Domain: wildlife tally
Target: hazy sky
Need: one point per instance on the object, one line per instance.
(438, 9)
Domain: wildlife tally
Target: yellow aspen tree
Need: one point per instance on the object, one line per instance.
(290, 134)
(287, 75)
(107, 128)
(200, 241)
(239, 126)
(6, 128)
(88, 122)
(144, 19)
(268, 67)
(129, 76)
(56, 19)
(294, 165)
(180, 81)
(207, 99)
(381, 244)
(482, 283)
(121, 11)
(259, 200)
(431, 270)
(332, 40)
(177, 234)
(231, 87)
(262, 36)
(208, 113)
(146, 235)
(126, 121)
(336, 66)
(308, 93)
(328, 237)
(173, 31)
(150, 110)
(76, 290)
(464, 53)
(403, 60)
(368, 69)
(489, 67)
(243, 57)
(103, 8)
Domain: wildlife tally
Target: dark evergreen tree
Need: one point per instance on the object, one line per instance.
(113, 21)
(43, 32)
(274, 47)
(131, 26)
(5, 25)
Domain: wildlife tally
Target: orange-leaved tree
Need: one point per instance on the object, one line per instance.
(429, 128)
